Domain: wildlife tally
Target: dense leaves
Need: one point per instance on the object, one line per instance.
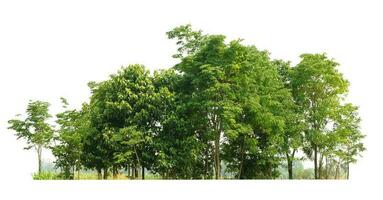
(225, 110)
(69, 144)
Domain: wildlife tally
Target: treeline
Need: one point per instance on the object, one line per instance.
(223, 103)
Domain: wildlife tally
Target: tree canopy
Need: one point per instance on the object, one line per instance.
(225, 110)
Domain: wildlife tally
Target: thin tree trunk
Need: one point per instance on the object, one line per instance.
(337, 171)
(136, 172)
(320, 166)
(138, 161)
(206, 162)
(348, 171)
(73, 171)
(115, 172)
(143, 172)
(78, 174)
(326, 169)
(217, 159)
(105, 173)
(290, 160)
(290, 168)
(39, 152)
(242, 158)
(315, 161)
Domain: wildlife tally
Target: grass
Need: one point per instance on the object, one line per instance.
(47, 175)
(86, 175)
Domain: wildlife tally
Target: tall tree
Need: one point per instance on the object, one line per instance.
(208, 91)
(347, 136)
(179, 151)
(319, 89)
(228, 90)
(123, 106)
(96, 149)
(34, 128)
(293, 118)
(68, 150)
(258, 127)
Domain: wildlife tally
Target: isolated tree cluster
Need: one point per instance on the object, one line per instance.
(223, 104)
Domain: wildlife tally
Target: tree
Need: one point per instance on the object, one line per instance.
(229, 90)
(293, 118)
(208, 92)
(347, 136)
(319, 89)
(95, 148)
(257, 132)
(34, 128)
(188, 40)
(69, 137)
(225, 110)
(121, 112)
(178, 150)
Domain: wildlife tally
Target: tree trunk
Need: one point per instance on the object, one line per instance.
(337, 171)
(290, 168)
(73, 171)
(115, 172)
(39, 152)
(128, 169)
(216, 157)
(348, 171)
(78, 174)
(132, 172)
(99, 174)
(327, 169)
(320, 166)
(143, 172)
(315, 161)
(241, 162)
(290, 160)
(105, 173)
(136, 172)
(206, 162)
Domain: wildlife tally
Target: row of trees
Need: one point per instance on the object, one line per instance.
(223, 103)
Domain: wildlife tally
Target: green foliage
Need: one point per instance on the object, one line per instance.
(121, 112)
(187, 40)
(319, 90)
(224, 109)
(34, 128)
(68, 149)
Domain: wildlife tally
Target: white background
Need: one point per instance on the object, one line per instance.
(51, 48)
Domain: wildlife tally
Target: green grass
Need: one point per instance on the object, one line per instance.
(48, 175)
(51, 175)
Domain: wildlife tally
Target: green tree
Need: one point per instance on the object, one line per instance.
(96, 151)
(229, 90)
(34, 128)
(177, 148)
(225, 110)
(319, 89)
(207, 93)
(293, 118)
(256, 136)
(68, 151)
(347, 137)
(123, 106)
